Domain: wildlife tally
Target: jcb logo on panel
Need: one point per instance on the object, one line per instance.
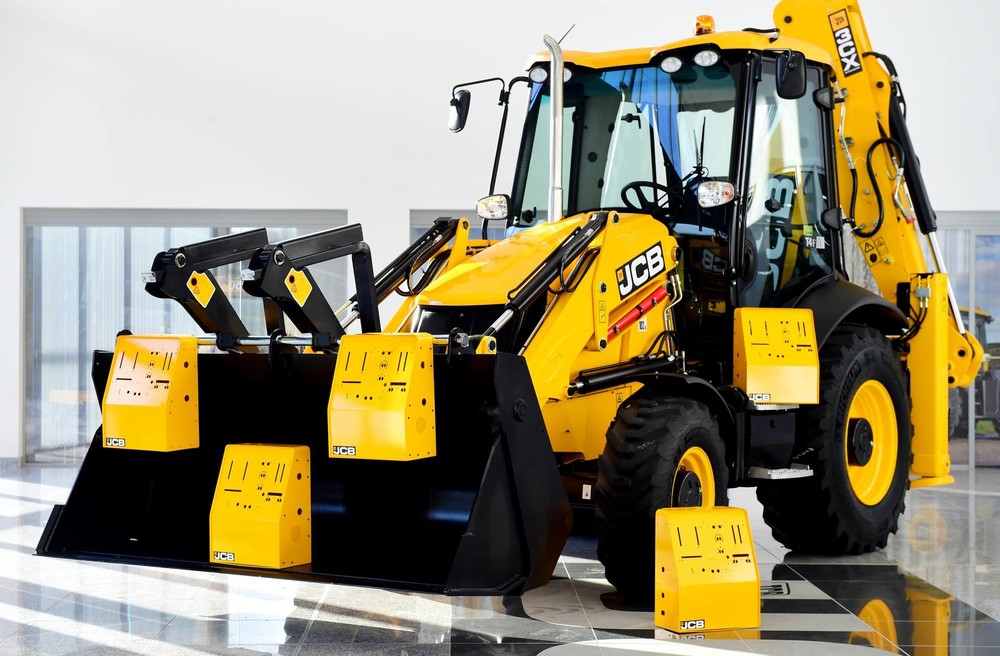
(849, 57)
(688, 625)
(639, 270)
(224, 555)
(345, 451)
(118, 442)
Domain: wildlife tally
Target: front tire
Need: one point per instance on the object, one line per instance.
(661, 452)
(857, 440)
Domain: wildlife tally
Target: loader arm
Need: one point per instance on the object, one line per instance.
(279, 272)
(439, 249)
(183, 274)
(886, 203)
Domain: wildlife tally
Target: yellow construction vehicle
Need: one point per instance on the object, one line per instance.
(667, 317)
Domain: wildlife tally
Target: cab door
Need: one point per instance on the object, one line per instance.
(787, 247)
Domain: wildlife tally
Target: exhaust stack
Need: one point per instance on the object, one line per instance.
(555, 129)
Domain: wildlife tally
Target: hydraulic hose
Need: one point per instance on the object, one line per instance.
(865, 234)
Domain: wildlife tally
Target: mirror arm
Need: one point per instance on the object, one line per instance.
(475, 82)
(788, 67)
(505, 101)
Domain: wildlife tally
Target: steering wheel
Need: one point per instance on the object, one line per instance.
(646, 205)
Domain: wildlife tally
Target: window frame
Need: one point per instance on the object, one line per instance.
(32, 442)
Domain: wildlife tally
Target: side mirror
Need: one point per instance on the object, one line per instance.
(831, 218)
(791, 74)
(459, 110)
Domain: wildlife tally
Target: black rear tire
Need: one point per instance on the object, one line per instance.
(640, 472)
(828, 512)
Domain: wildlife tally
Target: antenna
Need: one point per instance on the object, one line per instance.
(567, 33)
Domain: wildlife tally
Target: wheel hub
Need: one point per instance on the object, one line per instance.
(871, 443)
(687, 489)
(862, 441)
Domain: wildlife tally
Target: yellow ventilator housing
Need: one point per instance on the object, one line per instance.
(775, 358)
(151, 399)
(261, 512)
(706, 570)
(382, 402)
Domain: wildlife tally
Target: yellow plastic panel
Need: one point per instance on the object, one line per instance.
(775, 359)
(382, 402)
(261, 513)
(706, 570)
(151, 399)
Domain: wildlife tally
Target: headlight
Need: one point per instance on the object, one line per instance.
(492, 207)
(541, 73)
(713, 193)
(671, 64)
(706, 58)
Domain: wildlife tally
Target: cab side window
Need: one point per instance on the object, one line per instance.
(788, 246)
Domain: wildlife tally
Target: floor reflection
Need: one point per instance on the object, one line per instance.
(931, 592)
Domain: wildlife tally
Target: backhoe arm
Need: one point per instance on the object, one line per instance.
(884, 198)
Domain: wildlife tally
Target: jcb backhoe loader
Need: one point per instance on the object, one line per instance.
(668, 317)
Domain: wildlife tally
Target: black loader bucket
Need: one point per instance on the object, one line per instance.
(486, 515)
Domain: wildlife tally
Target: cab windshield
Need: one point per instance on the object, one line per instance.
(632, 137)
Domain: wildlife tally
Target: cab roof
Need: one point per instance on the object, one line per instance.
(723, 40)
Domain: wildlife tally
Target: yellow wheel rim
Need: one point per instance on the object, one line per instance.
(871, 481)
(877, 615)
(695, 462)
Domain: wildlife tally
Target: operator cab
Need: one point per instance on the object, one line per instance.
(658, 137)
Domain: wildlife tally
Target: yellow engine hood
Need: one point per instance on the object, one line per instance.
(487, 277)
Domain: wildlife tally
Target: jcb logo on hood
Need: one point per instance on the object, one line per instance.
(639, 270)
(849, 57)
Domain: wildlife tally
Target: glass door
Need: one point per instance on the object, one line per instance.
(984, 404)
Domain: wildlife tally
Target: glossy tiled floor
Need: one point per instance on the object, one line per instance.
(933, 591)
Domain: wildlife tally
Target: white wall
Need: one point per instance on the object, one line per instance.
(323, 104)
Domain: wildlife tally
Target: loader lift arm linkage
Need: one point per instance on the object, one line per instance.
(429, 246)
(183, 274)
(279, 272)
